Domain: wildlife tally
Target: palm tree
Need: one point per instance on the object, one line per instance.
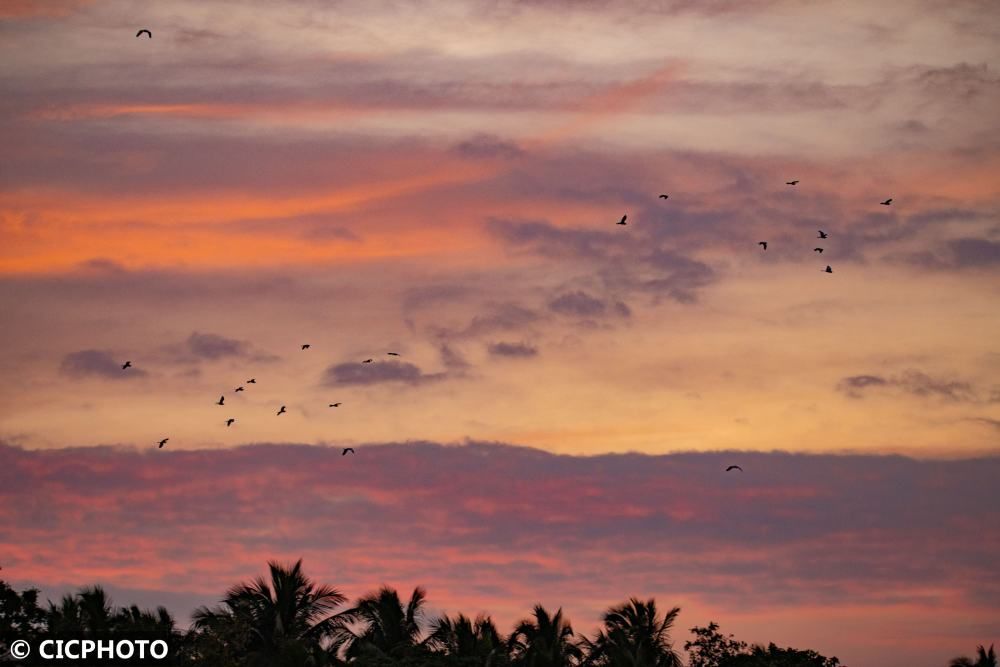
(984, 658)
(87, 612)
(473, 642)
(380, 625)
(635, 635)
(278, 622)
(544, 641)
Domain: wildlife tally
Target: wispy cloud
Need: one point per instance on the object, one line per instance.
(97, 363)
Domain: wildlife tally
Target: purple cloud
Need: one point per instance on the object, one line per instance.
(97, 363)
(512, 350)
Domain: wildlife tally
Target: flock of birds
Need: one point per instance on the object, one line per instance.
(282, 410)
(222, 399)
(763, 244)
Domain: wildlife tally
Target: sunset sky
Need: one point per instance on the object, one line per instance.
(442, 179)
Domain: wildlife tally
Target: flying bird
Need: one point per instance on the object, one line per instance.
(229, 422)
(664, 196)
(222, 400)
(335, 405)
(306, 346)
(887, 202)
(238, 389)
(622, 221)
(734, 468)
(127, 364)
(252, 381)
(367, 361)
(163, 442)
(822, 234)
(144, 30)
(762, 243)
(819, 250)
(827, 270)
(282, 410)
(393, 354)
(791, 182)
(347, 449)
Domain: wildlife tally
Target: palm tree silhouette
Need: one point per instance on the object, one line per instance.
(379, 626)
(475, 642)
(278, 622)
(634, 635)
(984, 658)
(544, 641)
(87, 613)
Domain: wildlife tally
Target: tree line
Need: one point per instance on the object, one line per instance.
(289, 620)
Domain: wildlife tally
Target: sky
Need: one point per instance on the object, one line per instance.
(442, 180)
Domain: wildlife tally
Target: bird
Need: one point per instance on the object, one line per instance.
(819, 250)
(229, 422)
(822, 234)
(393, 354)
(367, 361)
(144, 30)
(238, 389)
(251, 381)
(335, 405)
(664, 196)
(222, 400)
(734, 468)
(347, 449)
(827, 270)
(127, 364)
(622, 221)
(887, 202)
(305, 346)
(791, 182)
(163, 442)
(762, 243)
(282, 410)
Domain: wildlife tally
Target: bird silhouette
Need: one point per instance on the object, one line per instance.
(282, 410)
(306, 346)
(347, 449)
(127, 364)
(791, 182)
(622, 221)
(822, 234)
(393, 354)
(144, 30)
(163, 442)
(887, 202)
(252, 381)
(367, 361)
(229, 422)
(827, 270)
(222, 400)
(819, 250)
(664, 196)
(335, 405)
(734, 468)
(762, 243)
(238, 389)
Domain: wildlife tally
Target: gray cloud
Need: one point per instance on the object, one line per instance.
(513, 350)
(380, 372)
(914, 382)
(625, 260)
(500, 316)
(488, 146)
(97, 363)
(578, 303)
(213, 346)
